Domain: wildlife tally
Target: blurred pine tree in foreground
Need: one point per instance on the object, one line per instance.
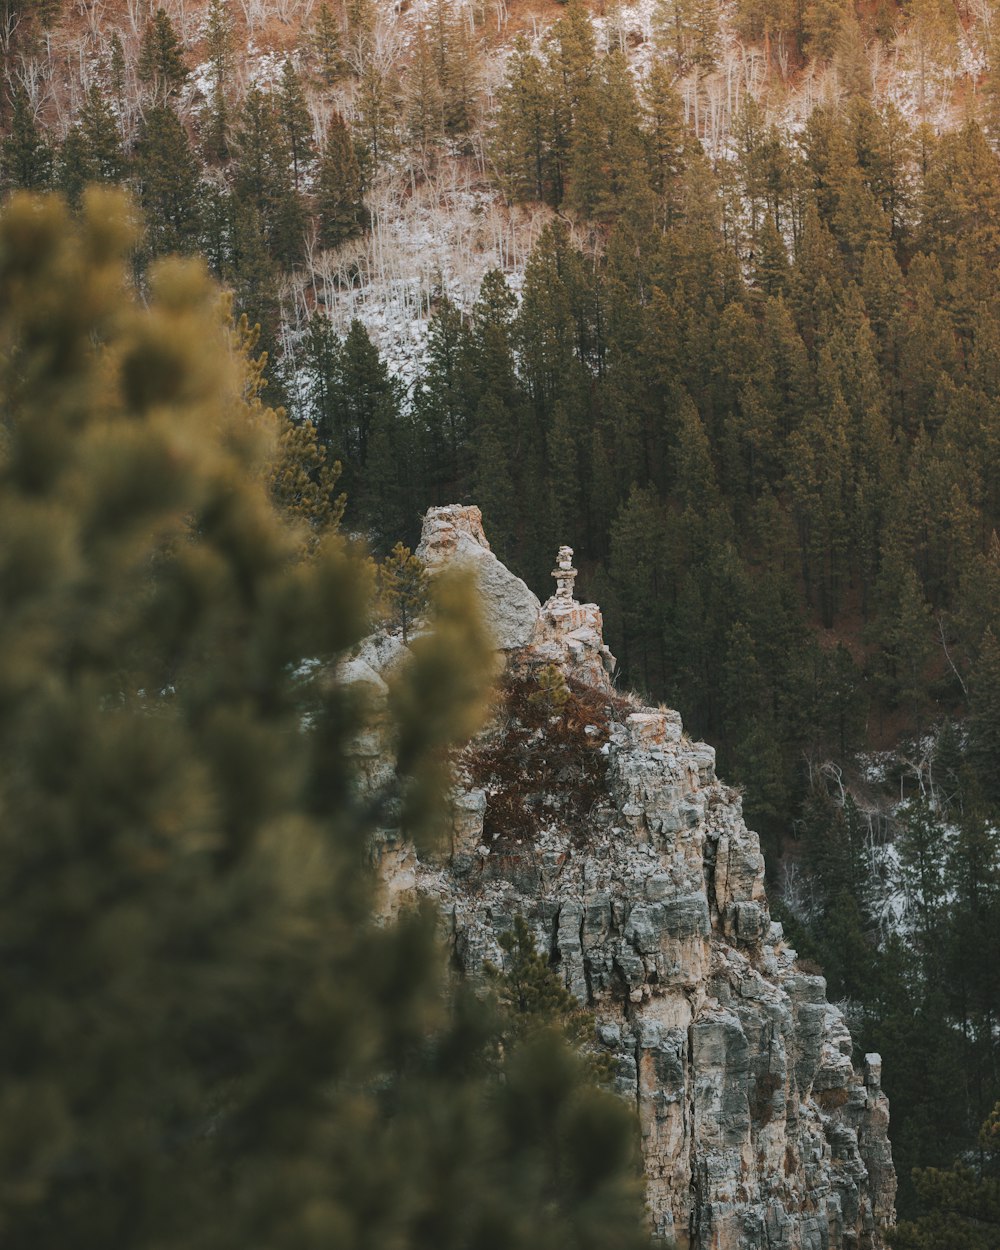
(207, 1041)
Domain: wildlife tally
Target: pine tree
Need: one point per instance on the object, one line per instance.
(317, 365)
(825, 26)
(884, 146)
(819, 472)
(214, 128)
(932, 36)
(834, 831)
(253, 275)
(365, 396)
(984, 717)
(771, 269)
(338, 190)
(564, 459)
(260, 169)
(327, 46)
(102, 138)
(361, 19)
(167, 174)
(921, 846)
(495, 475)
(975, 607)
(219, 41)
(960, 1205)
(928, 347)
(904, 629)
(696, 486)
(544, 329)
(161, 66)
(377, 108)
(457, 64)
(217, 222)
(262, 177)
(493, 351)
(817, 274)
(422, 96)
(948, 759)
(304, 481)
(574, 54)
(666, 138)
(402, 583)
(637, 567)
(607, 158)
(295, 120)
(833, 702)
(960, 203)
(442, 400)
(523, 137)
(25, 154)
(743, 692)
(750, 136)
(687, 31)
(72, 168)
(533, 991)
(971, 977)
(882, 287)
(388, 500)
(117, 69)
(438, 94)
(215, 116)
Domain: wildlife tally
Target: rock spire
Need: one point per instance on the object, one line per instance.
(758, 1133)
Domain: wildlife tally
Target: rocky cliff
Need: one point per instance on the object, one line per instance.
(603, 825)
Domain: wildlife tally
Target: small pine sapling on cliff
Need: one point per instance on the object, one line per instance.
(552, 694)
(535, 995)
(402, 582)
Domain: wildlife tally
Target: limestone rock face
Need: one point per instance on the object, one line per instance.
(757, 1130)
(571, 635)
(454, 535)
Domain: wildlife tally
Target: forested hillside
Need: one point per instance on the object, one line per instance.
(709, 292)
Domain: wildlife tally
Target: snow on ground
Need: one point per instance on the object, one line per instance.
(440, 238)
(629, 27)
(892, 905)
(931, 97)
(972, 58)
(875, 766)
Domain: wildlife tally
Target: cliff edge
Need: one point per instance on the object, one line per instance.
(606, 828)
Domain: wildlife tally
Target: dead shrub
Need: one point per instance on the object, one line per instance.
(541, 763)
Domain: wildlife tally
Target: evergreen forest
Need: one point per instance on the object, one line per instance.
(749, 368)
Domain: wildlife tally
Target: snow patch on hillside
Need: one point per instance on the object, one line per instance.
(440, 239)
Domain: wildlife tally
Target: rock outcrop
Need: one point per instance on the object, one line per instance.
(571, 634)
(453, 535)
(757, 1129)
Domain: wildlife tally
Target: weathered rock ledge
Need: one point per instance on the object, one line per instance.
(757, 1129)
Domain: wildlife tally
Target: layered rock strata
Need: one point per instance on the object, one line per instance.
(757, 1129)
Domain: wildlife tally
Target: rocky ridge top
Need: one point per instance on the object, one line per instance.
(757, 1129)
